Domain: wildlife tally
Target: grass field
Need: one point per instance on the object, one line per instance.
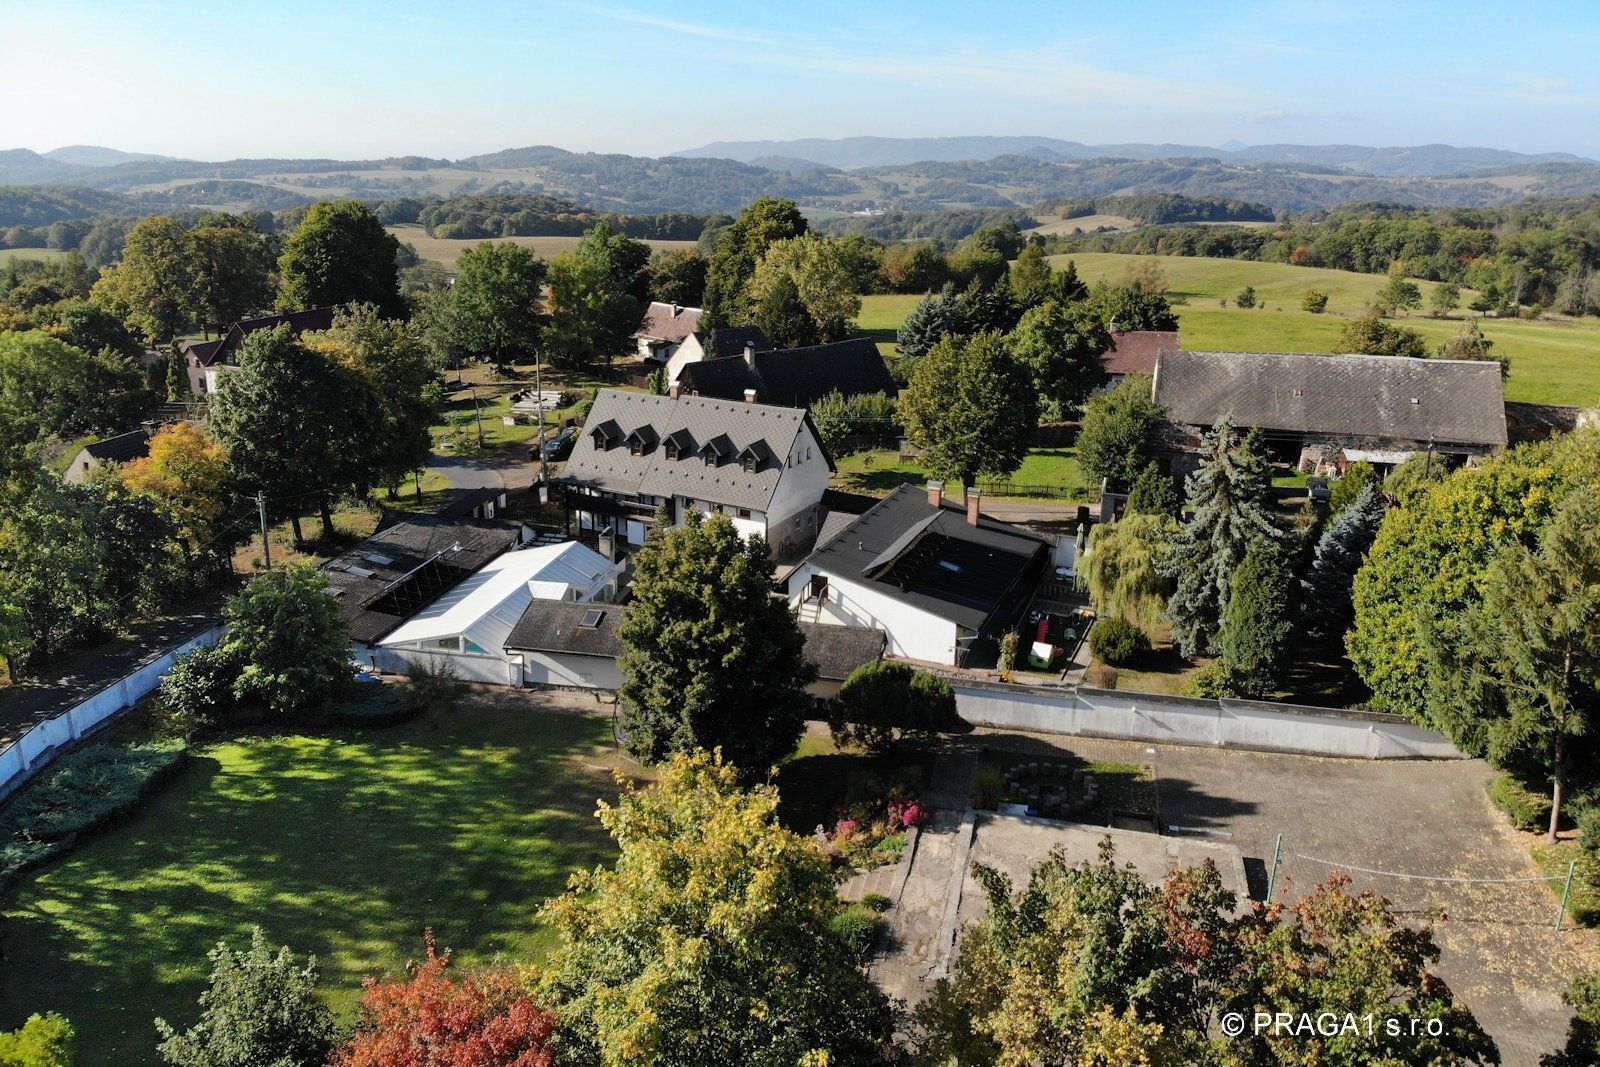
(8, 254)
(1555, 360)
(345, 845)
(445, 251)
(881, 471)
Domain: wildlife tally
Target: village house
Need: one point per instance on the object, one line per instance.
(1322, 413)
(666, 327)
(123, 448)
(205, 361)
(792, 377)
(714, 345)
(1135, 352)
(762, 466)
(936, 576)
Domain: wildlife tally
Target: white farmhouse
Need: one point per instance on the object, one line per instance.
(764, 467)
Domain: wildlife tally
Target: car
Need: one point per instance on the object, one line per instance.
(559, 447)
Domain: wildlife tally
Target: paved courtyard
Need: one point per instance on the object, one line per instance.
(1500, 950)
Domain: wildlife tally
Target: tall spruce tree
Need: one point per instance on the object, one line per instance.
(1341, 550)
(935, 317)
(1254, 635)
(1231, 509)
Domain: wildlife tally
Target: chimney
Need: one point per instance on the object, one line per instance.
(675, 309)
(935, 494)
(674, 388)
(749, 396)
(750, 354)
(973, 496)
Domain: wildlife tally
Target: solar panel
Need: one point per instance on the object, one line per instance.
(591, 618)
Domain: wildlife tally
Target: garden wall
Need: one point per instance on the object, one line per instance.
(1187, 721)
(20, 760)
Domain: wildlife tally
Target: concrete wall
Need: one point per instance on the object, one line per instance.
(20, 760)
(1217, 723)
(584, 672)
(469, 666)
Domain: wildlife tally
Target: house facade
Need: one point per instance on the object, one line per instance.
(667, 328)
(936, 576)
(206, 361)
(762, 466)
(715, 344)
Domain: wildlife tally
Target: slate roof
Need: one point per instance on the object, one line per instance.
(839, 650)
(1135, 351)
(407, 564)
(794, 377)
(557, 626)
(732, 341)
(1393, 398)
(121, 448)
(668, 323)
(204, 352)
(731, 426)
(298, 321)
(932, 558)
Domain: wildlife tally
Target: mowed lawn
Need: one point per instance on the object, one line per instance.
(445, 251)
(345, 845)
(1046, 471)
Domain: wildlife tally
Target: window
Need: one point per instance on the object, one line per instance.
(449, 644)
(473, 646)
(744, 513)
(591, 618)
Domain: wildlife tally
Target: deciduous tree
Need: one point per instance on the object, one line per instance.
(1121, 428)
(823, 277)
(971, 408)
(186, 473)
(340, 254)
(1373, 336)
(1123, 571)
(153, 288)
(678, 277)
(595, 306)
(290, 639)
(232, 263)
(739, 248)
(42, 1041)
(1470, 343)
(1061, 345)
(493, 311)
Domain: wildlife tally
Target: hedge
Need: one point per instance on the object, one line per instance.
(1526, 808)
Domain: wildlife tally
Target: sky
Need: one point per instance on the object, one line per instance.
(219, 79)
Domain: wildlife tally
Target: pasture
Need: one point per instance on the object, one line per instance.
(44, 254)
(446, 251)
(346, 844)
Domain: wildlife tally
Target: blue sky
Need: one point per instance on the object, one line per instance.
(226, 78)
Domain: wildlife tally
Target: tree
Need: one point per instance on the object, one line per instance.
(708, 943)
(1229, 498)
(913, 268)
(1120, 430)
(783, 317)
(1349, 486)
(823, 277)
(262, 1009)
(391, 359)
(176, 382)
(48, 387)
(1470, 343)
(980, 259)
(1583, 1031)
(291, 640)
(678, 276)
(595, 308)
(1399, 293)
(429, 1019)
(1134, 307)
(711, 660)
(1372, 336)
(740, 247)
(289, 418)
(1429, 564)
(1124, 571)
(1256, 623)
(186, 473)
(153, 288)
(970, 407)
(1061, 345)
(1341, 550)
(1536, 654)
(340, 254)
(232, 263)
(1030, 272)
(1246, 298)
(493, 311)
(90, 328)
(935, 317)
(882, 703)
(1445, 298)
(42, 1041)
(1314, 301)
(1154, 493)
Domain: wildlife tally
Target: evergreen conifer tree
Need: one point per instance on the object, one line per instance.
(1341, 550)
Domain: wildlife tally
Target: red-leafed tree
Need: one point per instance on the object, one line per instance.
(432, 1020)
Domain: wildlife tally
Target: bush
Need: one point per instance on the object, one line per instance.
(1526, 808)
(433, 687)
(197, 694)
(856, 925)
(882, 702)
(1588, 820)
(43, 1041)
(374, 704)
(1101, 675)
(85, 789)
(988, 786)
(1117, 641)
(1314, 301)
(1209, 682)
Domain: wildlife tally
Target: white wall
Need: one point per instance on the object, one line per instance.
(469, 666)
(586, 672)
(912, 632)
(687, 351)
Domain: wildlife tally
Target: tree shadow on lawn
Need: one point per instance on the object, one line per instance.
(345, 845)
(884, 479)
(813, 789)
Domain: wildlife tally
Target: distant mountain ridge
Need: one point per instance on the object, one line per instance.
(93, 155)
(850, 153)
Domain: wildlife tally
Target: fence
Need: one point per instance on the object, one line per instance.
(1181, 720)
(20, 760)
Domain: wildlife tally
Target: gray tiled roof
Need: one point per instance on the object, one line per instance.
(795, 377)
(121, 448)
(839, 650)
(932, 558)
(732, 340)
(1382, 397)
(618, 470)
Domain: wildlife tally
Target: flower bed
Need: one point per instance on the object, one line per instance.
(869, 834)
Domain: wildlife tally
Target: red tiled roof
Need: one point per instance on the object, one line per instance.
(1134, 351)
(670, 323)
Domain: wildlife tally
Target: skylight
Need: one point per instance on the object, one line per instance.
(591, 618)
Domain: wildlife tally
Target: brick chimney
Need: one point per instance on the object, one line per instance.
(749, 396)
(750, 354)
(935, 494)
(973, 495)
(674, 388)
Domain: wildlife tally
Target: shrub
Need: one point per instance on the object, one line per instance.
(1588, 820)
(43, 1041)
(882, 702)
(197, 694)
(988, 786)
(1208, 683)
(1101, 675)
(1246, 298)
(876, 902)
(856, 925)
(1314, 301)
(1117, 641)
(433, 687)
(1526, 808)
(84, 789)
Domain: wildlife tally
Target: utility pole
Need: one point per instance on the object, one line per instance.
(538, 390)
(266, 542)
(478, 411)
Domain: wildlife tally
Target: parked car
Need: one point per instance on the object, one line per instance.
(559, 447)
(1318, 490)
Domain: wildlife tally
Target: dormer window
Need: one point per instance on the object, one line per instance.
(606, 435)
(642, 440)
(678, 445)
(755, 456)
(717, 450)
